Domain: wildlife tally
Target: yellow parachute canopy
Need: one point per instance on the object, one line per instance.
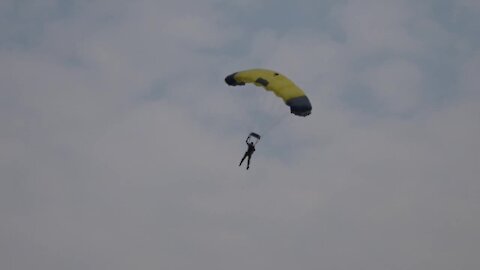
(273, 81)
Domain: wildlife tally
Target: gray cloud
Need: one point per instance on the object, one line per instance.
(120, 141)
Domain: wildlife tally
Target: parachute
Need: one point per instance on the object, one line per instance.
(280, 85)
(253, 137)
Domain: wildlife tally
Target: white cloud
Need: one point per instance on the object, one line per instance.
(97, 174)
(379, 26)
(397, 85)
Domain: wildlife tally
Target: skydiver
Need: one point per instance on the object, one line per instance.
(248, 153)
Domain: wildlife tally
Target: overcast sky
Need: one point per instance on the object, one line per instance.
(120, 141)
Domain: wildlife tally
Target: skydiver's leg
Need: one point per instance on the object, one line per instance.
(244, 156)
(248, 161)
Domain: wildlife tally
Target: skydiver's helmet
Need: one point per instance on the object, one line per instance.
(253, 137)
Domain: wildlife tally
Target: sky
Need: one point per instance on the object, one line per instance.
(120, 141)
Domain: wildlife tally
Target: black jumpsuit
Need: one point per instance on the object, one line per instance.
(250, 150)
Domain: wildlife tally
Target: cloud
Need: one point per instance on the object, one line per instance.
(469, 79)
(470, 4)
(379, 26)
(120, 140)
(396, 85)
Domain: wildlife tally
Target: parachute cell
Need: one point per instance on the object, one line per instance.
(253, 137)
(277, 83)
